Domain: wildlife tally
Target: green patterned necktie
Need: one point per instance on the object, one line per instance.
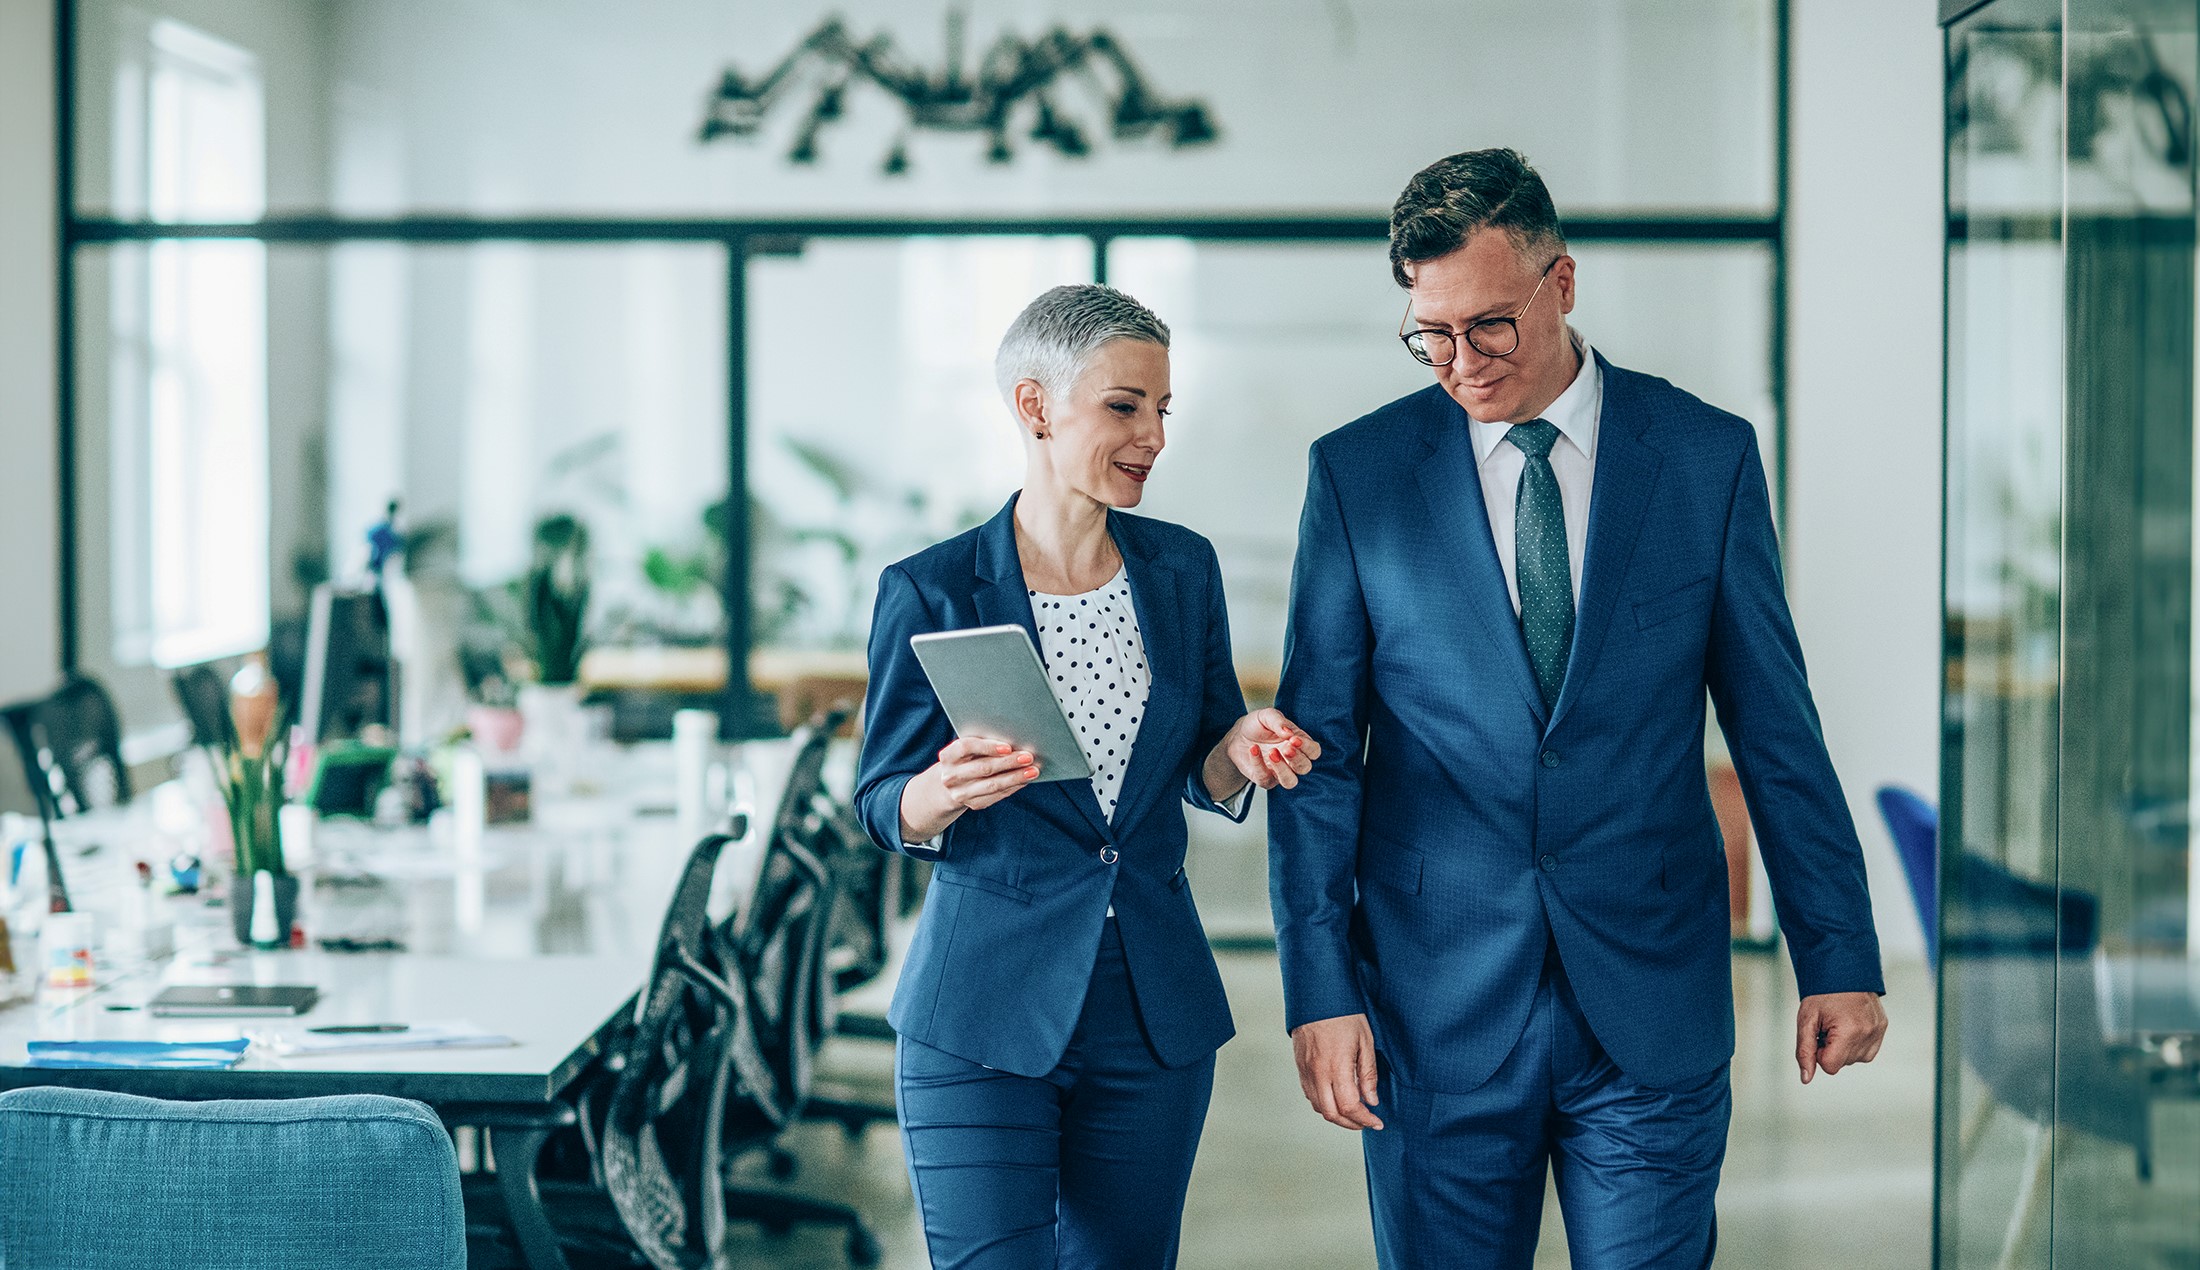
(1539, 559)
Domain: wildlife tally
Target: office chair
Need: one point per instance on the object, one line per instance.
(203, 692)
(105, 1181)
(659, 1142)
(2020, 956)
(856, 949)
(717, 1063)
(643, 1115)
(1915, 827)
(71, 746)
(775, 948)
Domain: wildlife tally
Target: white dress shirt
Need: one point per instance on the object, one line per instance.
(1573, 461)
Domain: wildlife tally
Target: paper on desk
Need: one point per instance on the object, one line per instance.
(419, 1036)
(201, 1055)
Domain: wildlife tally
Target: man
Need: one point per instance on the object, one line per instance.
(1500, 895)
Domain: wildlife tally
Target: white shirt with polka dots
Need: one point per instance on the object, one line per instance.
(1096, 662)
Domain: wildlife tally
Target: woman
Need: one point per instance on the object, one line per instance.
(1059, 1010)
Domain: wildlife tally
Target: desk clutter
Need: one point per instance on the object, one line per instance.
(561, 988)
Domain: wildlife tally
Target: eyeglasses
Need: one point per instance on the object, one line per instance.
(1491, 337)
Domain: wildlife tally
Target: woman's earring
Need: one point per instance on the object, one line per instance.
(1039, 436)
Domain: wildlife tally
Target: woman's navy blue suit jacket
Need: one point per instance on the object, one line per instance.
(1011, 925)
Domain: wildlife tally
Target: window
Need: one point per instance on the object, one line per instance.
(189, 478)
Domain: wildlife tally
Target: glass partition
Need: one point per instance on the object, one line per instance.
(2070, 979)
(2127, 1082)
(482, 387)
(1276, 344)
(482, 258)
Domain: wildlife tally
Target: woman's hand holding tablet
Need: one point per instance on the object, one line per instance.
(972, 774)
(990, 682)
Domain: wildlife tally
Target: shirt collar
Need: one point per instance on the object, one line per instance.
(1574, 414)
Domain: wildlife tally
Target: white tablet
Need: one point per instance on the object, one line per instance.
(991, 683)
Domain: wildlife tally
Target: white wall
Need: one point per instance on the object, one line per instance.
(573, 105)
(1863, 539)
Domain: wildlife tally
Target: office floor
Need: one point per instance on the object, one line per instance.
(1839, 1173)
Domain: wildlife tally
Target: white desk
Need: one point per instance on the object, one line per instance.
(556, 1008)
(544, 936)
(2149, 1006)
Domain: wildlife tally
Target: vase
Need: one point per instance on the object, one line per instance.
(554, 731)
(497, 730)
(241, 901)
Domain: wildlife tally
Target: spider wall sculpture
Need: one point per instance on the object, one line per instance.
(1014, 80)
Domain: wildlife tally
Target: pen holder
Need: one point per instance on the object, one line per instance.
(241, 903)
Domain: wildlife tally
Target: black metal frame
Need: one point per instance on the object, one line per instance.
(64, 285)
(1950, 812)
(742, 713)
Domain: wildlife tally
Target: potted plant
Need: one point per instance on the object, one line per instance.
(553, 603)
(555, 592)
(249, 768)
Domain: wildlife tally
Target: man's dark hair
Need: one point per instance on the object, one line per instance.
(1449, 200)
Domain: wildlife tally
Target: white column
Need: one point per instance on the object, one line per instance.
(1864, 410)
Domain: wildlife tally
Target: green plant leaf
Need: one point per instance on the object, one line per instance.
(835, 472)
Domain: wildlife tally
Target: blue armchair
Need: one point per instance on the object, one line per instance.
(101, 1181)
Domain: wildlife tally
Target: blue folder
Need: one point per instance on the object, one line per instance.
(187, 1055)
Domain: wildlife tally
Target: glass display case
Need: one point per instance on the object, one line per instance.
(2069, 971)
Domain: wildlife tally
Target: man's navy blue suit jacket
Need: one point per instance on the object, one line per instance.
(1011, 926)
(1453, 828)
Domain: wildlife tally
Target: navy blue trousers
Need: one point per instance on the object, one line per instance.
(1457, 1179)
(1083, 1167)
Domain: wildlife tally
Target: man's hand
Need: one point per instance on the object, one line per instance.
(1337, 1069)
(1832, 1030)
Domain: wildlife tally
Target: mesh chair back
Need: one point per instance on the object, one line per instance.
(855, 938)
(718, 1058)
(774, 947)
(71, 747)
(660, 1137)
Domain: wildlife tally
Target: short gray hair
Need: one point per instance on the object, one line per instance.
(1056, 334)
(1449, 200)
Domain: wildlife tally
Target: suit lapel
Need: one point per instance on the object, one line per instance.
(1626, 472)
(1003, 598)
(1451, 487)
(1173, 637)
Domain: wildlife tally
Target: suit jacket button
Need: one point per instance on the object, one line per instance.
(1549, 863)
(1550, 758)
(1108, 855)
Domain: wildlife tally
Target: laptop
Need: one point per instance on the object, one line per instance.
(234, 1001)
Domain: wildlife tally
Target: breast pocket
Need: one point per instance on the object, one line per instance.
(1663, 608)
